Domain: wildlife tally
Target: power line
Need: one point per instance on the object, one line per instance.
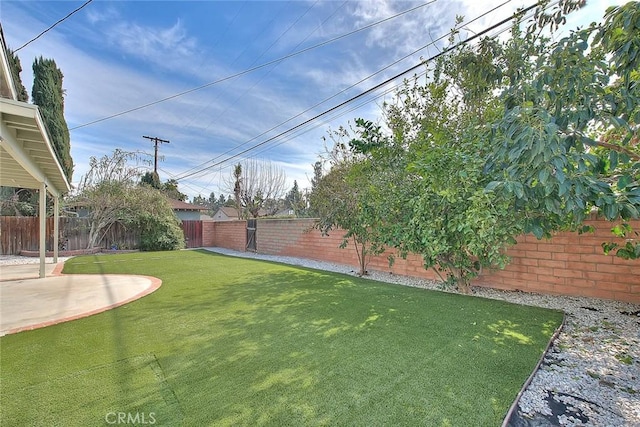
(252, 63)
(251, 69)
(433, 42)
(52, 26)
(362, 94)
(285, 122)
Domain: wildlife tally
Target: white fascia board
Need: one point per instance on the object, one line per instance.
(13, 147)
(6, 70)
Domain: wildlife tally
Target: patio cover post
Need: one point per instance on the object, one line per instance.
(56, 219)
(43, 227)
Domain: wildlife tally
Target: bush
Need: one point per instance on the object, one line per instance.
(160, 233)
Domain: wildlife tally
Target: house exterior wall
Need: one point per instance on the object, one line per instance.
(188, 215)
(567, 264)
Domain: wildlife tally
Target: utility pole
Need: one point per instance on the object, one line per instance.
(156, 140)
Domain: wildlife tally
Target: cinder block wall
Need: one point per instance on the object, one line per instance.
(228, 234)
(568, 264)
(208, 233)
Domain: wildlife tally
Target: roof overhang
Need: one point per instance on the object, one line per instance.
(27, 158)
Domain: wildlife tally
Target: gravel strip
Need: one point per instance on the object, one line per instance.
(591, 374)
(20, 260)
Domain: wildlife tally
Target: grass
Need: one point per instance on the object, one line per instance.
(229, 341)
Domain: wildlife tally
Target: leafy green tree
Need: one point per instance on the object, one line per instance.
(318, 173)
(16, 69)
(151, 179)
(295, 200)
(505, 138)
(110, 193)
(17, 201)
(159, 227)
(200, 201)
(566, 144)
(170, 189)
(222, 201)
(212, 203)
(429, 181)
(344, 199)
(48, 94)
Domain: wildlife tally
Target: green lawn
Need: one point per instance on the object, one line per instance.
(228, 341)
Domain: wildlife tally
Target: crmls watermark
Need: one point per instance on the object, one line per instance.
(133, 418)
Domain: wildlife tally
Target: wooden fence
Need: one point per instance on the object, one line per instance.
(192, 230)
(18, 233)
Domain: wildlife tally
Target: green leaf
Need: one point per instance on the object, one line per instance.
(492, 186)
(518, 189)
(624, 181)
(543, 175)
(613, 159)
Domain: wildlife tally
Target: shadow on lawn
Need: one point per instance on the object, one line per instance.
(297, 346)
(227, 341)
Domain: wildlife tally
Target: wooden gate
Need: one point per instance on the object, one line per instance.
(192, 230)
(251, 234)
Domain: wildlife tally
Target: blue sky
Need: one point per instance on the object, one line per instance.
(120, 55)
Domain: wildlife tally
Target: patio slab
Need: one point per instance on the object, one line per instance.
(27, 302)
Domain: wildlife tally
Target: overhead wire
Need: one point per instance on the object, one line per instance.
(54, 25)
(246, 48)
(283, 123)
(292, 25)
(367, 101)
(240, 96)
(433, 42)
(250, 69)
(362, 94)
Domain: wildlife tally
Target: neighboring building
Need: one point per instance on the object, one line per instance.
(285, 213)
(226, 214)
(188, 212)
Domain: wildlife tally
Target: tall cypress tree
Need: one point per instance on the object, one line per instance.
(48, 94)
(16, 69)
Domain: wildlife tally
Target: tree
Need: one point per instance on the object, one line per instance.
(151, 179)
(237, 188)
(428, 172)
(110, 193)
(257, 185)
(48, 94)
(318, 173)
(18, 202)
(170, 189)
(16, 69)
(344, 199)
(159, 227)
(295, 201)
(567, 141)
(510, 137)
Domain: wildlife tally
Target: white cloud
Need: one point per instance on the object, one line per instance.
(166, 47)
